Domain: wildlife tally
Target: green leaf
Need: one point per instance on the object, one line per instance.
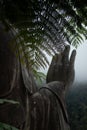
(8, 101)
(4, 126)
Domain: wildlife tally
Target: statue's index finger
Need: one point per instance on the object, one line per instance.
(66, 54)
(72, 58)
(56, 59)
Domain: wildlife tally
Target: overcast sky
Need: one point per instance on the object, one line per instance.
(80, 63)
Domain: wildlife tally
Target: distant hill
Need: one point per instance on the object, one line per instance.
(77, 106)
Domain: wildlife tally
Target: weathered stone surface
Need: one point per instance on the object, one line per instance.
(48, 110)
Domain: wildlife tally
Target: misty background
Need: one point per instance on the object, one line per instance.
(81, 63)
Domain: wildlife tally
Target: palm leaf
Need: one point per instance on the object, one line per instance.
(44, 26)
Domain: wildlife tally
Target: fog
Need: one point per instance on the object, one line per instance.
(81, 63)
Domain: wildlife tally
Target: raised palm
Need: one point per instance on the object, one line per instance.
(62, 67)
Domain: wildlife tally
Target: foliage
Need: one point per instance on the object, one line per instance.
(45, 26)
(39, 77)
(77, 107)
(4, 126)
(8, 101)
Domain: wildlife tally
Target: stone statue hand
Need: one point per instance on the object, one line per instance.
(62, 67)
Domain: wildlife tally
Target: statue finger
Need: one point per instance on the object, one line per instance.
(56, 59)
(72, 58)
(66, 55)
(53, 60)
